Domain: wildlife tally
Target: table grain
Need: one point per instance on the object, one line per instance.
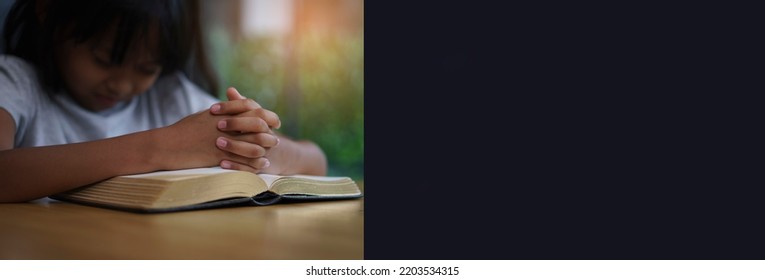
(50, 229)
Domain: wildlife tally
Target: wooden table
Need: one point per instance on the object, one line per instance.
(50, 229)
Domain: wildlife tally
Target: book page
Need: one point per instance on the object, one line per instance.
(182, 173)
(270, 178)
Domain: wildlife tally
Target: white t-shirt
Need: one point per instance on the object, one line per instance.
(44, 118)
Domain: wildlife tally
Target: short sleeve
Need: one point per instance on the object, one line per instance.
(20, 91)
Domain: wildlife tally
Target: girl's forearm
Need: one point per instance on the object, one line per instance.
(311, 159)
(296, 157)
(31, 173)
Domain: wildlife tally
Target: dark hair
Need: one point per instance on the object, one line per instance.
(32, 26)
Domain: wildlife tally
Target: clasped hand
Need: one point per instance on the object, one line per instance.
(249, 132)
(235, 134)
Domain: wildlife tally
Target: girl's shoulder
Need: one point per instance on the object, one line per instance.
(22, 96)
(19, 76)
(13, 67)
(11, 59)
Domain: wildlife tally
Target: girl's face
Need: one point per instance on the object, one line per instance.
(97, 84)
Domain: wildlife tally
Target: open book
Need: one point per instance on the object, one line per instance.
(165, 191)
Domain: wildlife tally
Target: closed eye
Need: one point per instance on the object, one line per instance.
(100, 61)
(151, 69)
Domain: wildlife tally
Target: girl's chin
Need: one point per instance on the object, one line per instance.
(98, 106)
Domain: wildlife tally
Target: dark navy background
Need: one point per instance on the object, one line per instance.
(563, 131)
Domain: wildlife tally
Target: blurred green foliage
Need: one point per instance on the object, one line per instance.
(329, 106)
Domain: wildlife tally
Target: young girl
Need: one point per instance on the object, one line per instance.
(92, 89)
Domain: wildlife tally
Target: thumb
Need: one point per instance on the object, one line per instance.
(233, 94)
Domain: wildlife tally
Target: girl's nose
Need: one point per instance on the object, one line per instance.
(119, 84)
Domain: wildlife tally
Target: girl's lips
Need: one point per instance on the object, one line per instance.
(106, 101)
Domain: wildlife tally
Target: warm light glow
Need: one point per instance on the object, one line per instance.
(266, 17)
